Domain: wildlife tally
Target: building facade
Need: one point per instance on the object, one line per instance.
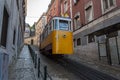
(12, 23)
(39, 27)
(29, 35)
(53, 9)
(27, 31)
(58, 8)
(30, 40)
(66, 8)
(96, 27)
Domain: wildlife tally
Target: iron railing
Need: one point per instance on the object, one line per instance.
(41, 69)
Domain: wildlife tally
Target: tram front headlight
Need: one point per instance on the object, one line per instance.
(64, 36)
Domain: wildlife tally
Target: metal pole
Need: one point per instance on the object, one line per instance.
(45, 73)
(38, 67)
(99, 50)
(33, 55)
(35, 60)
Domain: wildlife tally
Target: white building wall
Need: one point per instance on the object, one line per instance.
(1, 15)
(22, 22)
(15, 17)
(12, 26)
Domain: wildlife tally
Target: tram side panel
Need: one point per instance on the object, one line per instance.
(46, 44)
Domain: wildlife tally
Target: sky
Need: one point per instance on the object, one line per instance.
(35, 9)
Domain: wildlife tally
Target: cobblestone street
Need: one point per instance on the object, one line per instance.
(23, 68)
(54, 69)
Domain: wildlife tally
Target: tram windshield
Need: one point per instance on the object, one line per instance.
(63, 25)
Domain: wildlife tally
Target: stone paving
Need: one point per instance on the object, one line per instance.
(100, 66)
(56, 73)
(23, 68)
(55, 70)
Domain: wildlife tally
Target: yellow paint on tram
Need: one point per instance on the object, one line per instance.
(61, 41)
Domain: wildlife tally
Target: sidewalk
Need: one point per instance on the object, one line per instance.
(23, 68)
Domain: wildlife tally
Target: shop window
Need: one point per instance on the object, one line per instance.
(91, 38)
(77, 22)
(89, 12)
(61, 10)
(65, 6)
(108, 4)
(78, 42)
(75, 1)
(4, 28)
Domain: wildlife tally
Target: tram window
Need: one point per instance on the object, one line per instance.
(50, 26)
(63, 25)
(47, 30)
(53, 23)
(45, 33)
(70, 27)
(56, 24)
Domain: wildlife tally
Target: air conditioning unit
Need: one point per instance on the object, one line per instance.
(4, 60)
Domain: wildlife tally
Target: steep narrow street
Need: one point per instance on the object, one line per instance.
(59, 39)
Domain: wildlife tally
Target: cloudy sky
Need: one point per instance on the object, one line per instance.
(35, 8)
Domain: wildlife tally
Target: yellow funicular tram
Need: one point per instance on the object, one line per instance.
(57, 36)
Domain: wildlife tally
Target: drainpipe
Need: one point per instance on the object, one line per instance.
(71, 14)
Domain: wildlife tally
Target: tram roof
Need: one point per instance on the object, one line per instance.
(62, 18)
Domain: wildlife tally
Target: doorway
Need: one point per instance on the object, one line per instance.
(109, 48)
(114, 50)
